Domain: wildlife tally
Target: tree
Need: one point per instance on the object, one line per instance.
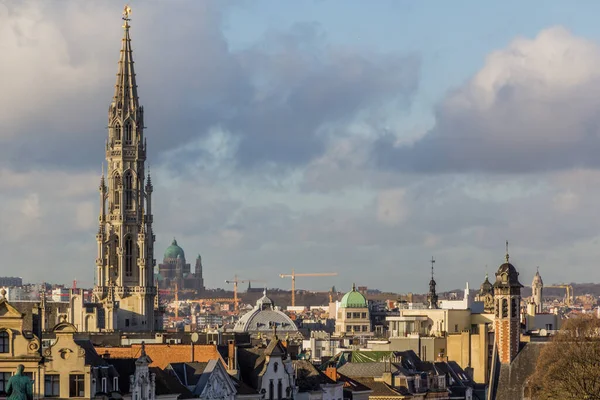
(569, 366)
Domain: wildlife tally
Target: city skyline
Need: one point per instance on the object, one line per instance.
(280, 138)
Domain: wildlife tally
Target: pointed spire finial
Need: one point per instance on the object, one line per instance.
(143, 349)
(354, 287)
(126, 13)
(507, 256)
(432, 262)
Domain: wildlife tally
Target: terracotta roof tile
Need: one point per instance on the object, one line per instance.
(164, 354)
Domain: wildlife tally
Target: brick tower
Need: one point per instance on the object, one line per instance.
(507, 305)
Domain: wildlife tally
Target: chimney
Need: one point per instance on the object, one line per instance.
(231, 354)
(331, 373)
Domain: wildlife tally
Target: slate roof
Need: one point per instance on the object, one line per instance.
(165, 382)
(91, 356)
(366, 370)
(308, 378)
(188, 373)
(382, 389)
(511, 378)
(242, 388)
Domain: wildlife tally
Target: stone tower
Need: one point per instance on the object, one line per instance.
(537, 287)
(125, 263)
(432, 297)
(507, 305)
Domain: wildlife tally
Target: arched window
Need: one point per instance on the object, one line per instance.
(513, 308)
(279, 390)
(504, 308)
(117, 183)
(128, 190)
(128, 133)
(117, 131)
(271, 390)
(129, 256)
(4, 342)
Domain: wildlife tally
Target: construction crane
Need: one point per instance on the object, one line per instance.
(293, 275)
(569, 294)
(235, 283)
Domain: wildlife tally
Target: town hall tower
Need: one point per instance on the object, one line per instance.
(124, 282)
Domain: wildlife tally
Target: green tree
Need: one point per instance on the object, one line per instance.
(569, 366)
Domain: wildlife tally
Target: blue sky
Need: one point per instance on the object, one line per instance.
(351, 136)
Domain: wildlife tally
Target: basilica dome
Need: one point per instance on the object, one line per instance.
(174, 251)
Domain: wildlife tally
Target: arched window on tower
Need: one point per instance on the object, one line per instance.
(118, 132)
(513, 308)
(117, 190)
(129, 256)
(504, 308)
(128, 133)
(128, 187)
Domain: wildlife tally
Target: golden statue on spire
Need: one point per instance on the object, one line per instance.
(126, 12)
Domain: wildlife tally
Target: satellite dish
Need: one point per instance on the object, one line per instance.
(195, 337)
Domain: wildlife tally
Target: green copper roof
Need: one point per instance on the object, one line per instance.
(353, 299)
(174, 251)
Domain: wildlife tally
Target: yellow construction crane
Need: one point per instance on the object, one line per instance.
(569, 294)
(235, 282)
(293, 275)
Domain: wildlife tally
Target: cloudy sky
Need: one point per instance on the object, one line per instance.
(346, 136)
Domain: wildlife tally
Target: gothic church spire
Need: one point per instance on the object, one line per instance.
(125, 99)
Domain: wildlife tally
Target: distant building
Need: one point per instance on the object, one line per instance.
(7, 281)
(352, 315)
(264, 317)
(176, 272)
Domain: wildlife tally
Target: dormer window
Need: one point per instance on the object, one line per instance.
(4, 342)
(275, 367)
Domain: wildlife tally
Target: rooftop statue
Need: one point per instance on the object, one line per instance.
(19, 386)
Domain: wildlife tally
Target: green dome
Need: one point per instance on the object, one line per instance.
(353, 299)
(174, 251)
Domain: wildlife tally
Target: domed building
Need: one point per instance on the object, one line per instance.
(175, 272)
(486, 295)
(264, 317)
(352, 315)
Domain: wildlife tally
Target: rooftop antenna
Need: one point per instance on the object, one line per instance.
(507, 251)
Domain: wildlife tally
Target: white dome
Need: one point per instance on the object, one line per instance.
(262, 318)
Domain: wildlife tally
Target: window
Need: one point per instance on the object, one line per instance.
(116, 384)
(116, 184)
(4, 377)
(271, 389)
(504, 308)
(76, 386)
(364, 315)
(365, 328)
(356, 315)
(4, 342)
(275, 367)
(128, 190)
(279, 389)
(423, 354)
(104, 385)
(126, 321)
(514, 310)
(128, 133)
(348, 315)
(52, 385)
(348, 328)
(129, 256)
(118, 131)
(455, 327)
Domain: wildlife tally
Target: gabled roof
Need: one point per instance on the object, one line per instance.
(165, 382)
(91, 356)
(188, 373)
(308, 378)
(8, 311)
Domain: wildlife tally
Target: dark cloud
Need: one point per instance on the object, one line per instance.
(532, 107)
